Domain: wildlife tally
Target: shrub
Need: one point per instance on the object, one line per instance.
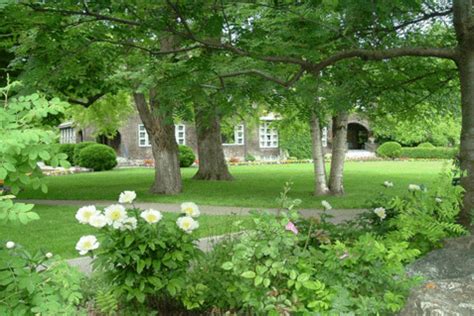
(249, 158)
(389, 150)
(78, 148)
(426, 145)
(151, 252)
(68, 149)
(98, 157)
(429, 152)
(186, 156)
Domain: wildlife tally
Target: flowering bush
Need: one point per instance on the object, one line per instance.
(142, 255)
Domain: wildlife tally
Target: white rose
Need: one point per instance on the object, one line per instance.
(187, 223)
(85, 213)
(151, 216)
(380, 212)
(98, 221)
(127, 197)
(414, 187)
(48, 255)
(190, 209)
(388, 184)
(10, 244)
(326, 205)
(115, 213)
(86, 244)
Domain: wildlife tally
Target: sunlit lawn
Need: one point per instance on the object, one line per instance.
(253, 186)
(57, 231)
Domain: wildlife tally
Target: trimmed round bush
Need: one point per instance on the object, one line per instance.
(68, 149)
(249, 158)
(78, 148)
(98, 157)
(186, 156)
(426, 145)
(389, 150)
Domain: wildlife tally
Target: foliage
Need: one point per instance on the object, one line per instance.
(389, 150)
(68, 149)
(295, 138)
(98, 157)
(426, 145)
(25, 141)
(249, 158)
(78, 148)
(429, 152)
(186, 156)
(151, 255)
(35, 284)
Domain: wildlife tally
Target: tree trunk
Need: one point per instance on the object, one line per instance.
(320, 182)
(159, 125)
(339, 146)
(212, 164)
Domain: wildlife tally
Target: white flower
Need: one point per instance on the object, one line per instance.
(187, 223)
(414, 187)
(130, 223)
(388, 184)
(326, 205)
(98, 221)
(48, 255)
(115, 213)
(87, 243)
(10, 244)
(127, 197)
(438, 200)
(85, 213)
(380, 212)
(151, 216)
(190, 209)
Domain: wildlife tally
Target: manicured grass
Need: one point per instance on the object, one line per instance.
(254, 186)
(58, 231)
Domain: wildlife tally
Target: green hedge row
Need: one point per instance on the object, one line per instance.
(429, 153)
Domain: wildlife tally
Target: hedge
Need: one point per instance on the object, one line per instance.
(98, 157)
(429, 153)
(78, 148)
(68, 149)
(186, 156)
(389, 150)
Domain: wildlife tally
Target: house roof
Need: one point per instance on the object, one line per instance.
(66, 124)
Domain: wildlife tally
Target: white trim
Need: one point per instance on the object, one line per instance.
(324, 137)
(181, 140)
(267, 136)
(67, 135)
(144, 140)
(239, 136)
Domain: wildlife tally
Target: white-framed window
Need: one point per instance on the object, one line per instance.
(324, 137)
(238, 136)
(180, 134)
(68, 136)
(144, 140)
(268, 135)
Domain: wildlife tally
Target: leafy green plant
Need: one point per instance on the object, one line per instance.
(186, 156)
(426, 145)
(68, 149)
(389, 150)
(429, 152)
(249, 158)
(98, 157)
(143, 257)
(78, 148)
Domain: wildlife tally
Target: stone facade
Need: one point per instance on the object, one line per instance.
(258, 140)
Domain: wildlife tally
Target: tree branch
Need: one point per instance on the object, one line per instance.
(266, 76)
(89, 101)
(151, 51)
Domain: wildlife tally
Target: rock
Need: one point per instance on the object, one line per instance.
(449, 281)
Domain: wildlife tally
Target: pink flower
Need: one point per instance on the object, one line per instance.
(292, 228)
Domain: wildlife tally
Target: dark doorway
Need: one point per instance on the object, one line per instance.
(112, 142)
(357, 136)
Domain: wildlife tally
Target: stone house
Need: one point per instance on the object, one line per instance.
(259, 140)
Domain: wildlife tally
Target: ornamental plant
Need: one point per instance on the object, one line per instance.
(143, 255)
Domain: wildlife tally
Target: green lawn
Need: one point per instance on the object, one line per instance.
(253, 186)
(58, 231)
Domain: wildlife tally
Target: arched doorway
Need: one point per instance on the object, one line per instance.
(112, 142)
(357, 136)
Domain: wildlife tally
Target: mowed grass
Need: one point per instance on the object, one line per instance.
(57, 231)
(254, 186)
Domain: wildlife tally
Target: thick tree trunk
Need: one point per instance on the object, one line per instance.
(212, 164)
(320, 178)
(466, 70)
(160, 128)
(339, 146)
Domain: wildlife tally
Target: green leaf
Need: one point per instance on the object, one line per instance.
(140, 266)
(44, 188)
(248, 275)
(227, 265)
(258, 280)
(3, 173)
(129, 240)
